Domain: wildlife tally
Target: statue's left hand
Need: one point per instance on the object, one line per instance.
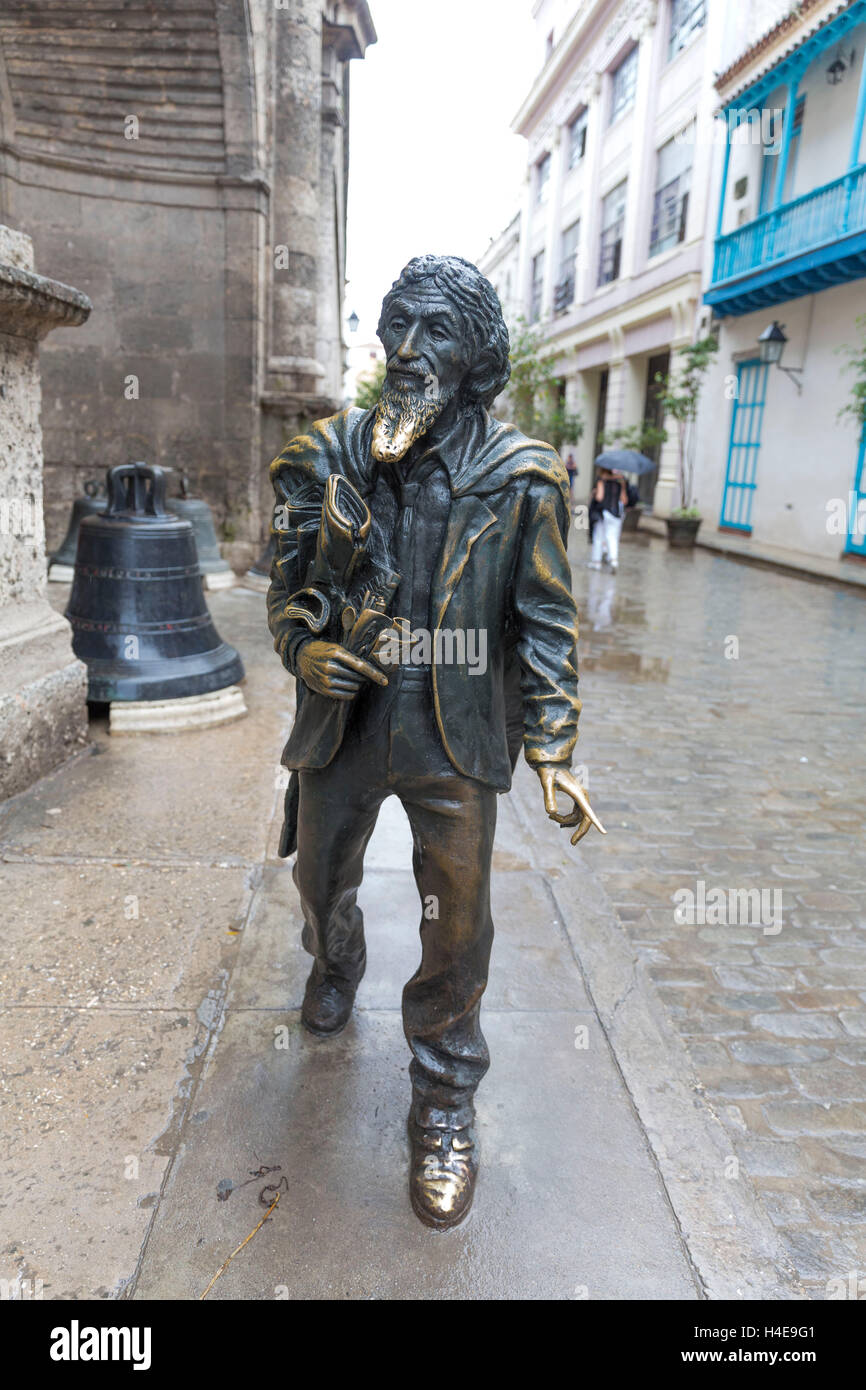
(554, 779)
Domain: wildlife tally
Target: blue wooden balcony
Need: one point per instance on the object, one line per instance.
(814, 241)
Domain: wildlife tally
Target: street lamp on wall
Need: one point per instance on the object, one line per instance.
(353, 322)
(837, 69)
(771, 345)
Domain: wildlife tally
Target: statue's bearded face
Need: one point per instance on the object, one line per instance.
(426, 359)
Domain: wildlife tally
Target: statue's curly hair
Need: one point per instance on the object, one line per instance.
(477, 303)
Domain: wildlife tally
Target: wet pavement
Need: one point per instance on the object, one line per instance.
(672, 1111)
(723, 733)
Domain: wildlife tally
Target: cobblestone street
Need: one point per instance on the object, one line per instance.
(740, 763)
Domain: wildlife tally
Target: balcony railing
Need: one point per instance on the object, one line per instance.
(825, 215)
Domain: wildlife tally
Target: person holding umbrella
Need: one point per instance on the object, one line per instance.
(611, 495)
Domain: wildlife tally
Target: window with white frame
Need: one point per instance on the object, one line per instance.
(610, 244)
(577, 139)
(687, 17)
(542, 179)
(537, 288)
(563, 294)
(671, 196)
(622, 85)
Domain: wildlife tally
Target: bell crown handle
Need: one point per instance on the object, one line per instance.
(136, 487)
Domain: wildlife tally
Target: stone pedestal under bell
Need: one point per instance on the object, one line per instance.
(258, 576)
(219, 579)
(177, 716)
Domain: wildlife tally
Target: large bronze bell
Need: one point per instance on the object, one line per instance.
(217, 572)
(62, 562)
(137, 608)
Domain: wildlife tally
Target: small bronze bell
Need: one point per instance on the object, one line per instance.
(61, 565)
(137, 608)
(217, 572)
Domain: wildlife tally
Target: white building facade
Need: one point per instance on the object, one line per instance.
(609, 253)
(776, 461)
(501, 264)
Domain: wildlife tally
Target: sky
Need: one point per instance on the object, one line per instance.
(433, 163)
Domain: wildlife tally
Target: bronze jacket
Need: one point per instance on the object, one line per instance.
(503, 567)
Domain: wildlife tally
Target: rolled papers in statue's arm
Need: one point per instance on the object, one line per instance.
(310, 607)
(547, 622)
(365, 631)
(343, 532)
(306, 614)
(344, 595)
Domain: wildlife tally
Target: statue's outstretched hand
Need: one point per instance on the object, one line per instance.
(331, 670)
(554, 779)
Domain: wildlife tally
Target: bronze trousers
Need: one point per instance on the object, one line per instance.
(453, 819)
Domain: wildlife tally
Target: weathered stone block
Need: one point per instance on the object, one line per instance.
(791, 1025)
(42, 686)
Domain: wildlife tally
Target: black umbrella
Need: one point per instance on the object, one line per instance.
(625, 461)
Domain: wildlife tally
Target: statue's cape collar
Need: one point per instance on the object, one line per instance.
(481, 456)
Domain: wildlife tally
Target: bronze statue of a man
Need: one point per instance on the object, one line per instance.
(421, 596)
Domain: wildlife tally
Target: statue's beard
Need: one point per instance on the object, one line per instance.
(402, 416)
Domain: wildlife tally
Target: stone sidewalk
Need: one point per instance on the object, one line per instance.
(153, 1053)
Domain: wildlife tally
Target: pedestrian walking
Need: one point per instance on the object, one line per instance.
(571, 469)
(609, 501)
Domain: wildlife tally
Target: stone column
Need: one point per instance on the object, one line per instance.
(587, 256)
(642, 165)
(666, 495)
(43, 687)
(586, 391)
(329, 328)
(312, 43)
(616, 381)
(552, 240)
(294, 377)
(521, 296)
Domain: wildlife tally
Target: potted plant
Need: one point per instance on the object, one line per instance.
(678, 398)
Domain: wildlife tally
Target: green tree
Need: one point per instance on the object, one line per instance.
(535, 394)
(678, 397)
(369, 387)
(644, 437)
(855, 406)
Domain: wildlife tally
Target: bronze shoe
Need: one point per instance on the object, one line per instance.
(327, 1005)
(442, 1175)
